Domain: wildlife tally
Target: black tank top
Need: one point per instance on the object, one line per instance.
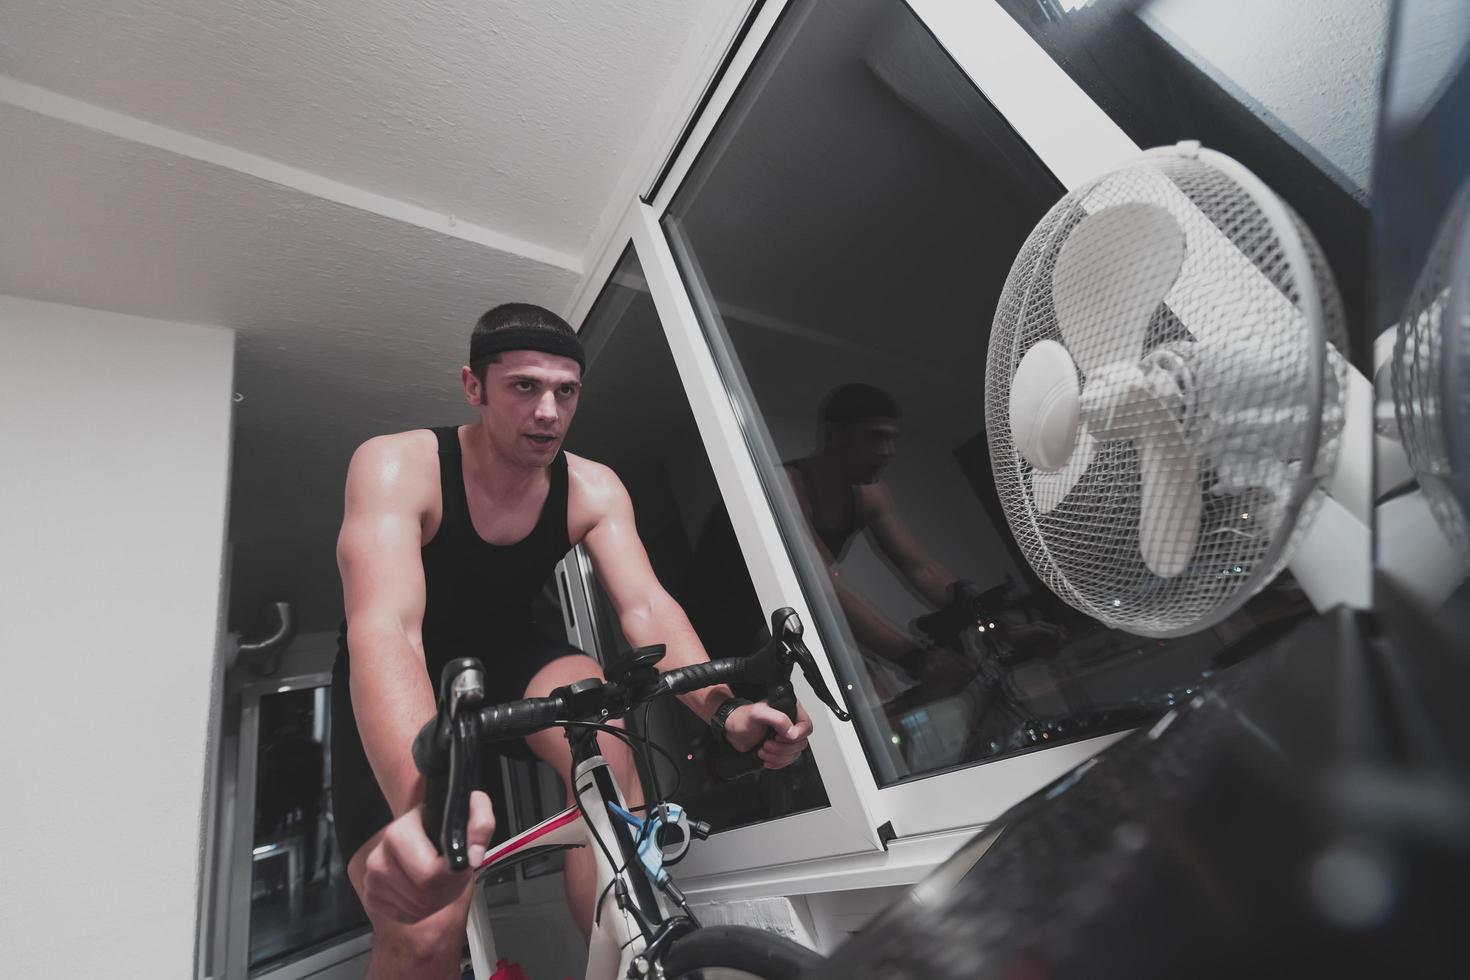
(834, 530)
(478, 595)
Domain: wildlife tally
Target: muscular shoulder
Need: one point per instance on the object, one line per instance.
(592, 484)
(399, 469)
(593, 492)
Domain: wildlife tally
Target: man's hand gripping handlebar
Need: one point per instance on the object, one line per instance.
(770, 669)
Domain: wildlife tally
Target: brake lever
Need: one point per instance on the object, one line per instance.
(770, 668)
(447, 752)
(784, 650)
(797, 653)
(464, 763)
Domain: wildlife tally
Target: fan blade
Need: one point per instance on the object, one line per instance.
(1111, 275)
(1169, 517)
(1044, 403)
(1218, 288)
(1049, 489)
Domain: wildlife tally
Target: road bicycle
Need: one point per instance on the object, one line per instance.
(643, 928)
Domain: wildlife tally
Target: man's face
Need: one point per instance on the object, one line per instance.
(865, 448)
(527, 403)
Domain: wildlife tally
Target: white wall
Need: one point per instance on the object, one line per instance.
(1278, 53)
(114, 456)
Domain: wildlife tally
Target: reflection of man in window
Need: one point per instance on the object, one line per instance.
(841, 492)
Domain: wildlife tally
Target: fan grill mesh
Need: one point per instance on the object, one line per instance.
(1424, 379)
(1233, 340)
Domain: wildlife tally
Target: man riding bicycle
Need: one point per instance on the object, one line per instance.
(447, 535)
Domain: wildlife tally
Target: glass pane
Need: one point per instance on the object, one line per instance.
(299, 894)
(1422, 284)
(635, 418)
(845, 236)
(1291, 90)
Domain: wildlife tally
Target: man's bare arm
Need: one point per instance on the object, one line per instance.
(646, 612)
(383, 589)
(924, 573)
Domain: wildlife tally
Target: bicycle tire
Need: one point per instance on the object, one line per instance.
(754, 951)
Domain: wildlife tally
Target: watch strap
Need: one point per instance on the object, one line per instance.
(723, 712)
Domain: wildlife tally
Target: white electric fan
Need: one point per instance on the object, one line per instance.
(1165, 397)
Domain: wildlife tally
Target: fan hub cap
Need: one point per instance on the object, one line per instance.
(1044, 406)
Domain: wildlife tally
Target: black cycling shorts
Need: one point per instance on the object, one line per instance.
(359, 809)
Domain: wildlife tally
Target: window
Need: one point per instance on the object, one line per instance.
(845, 235)
(299, 893)
(635, 418)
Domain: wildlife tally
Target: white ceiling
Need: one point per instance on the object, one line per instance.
(520, 116)
(99, 221)
(290, 170)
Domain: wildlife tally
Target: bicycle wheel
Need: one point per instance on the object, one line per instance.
(737, 951)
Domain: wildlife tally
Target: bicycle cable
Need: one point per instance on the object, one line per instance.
(647, 759)
(658, 798)
(629, 740)
(597, 918)
(582, 808)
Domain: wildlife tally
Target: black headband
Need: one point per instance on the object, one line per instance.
(487, 344)
(858, 403)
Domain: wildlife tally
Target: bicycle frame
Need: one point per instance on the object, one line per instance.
(616, 937)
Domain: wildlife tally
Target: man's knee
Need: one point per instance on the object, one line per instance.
(562, 671)
(550, 745)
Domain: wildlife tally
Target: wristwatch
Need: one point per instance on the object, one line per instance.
(722, 714)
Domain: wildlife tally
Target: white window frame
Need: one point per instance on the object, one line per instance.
(846, 826)
(1071, 134)
(840, 847)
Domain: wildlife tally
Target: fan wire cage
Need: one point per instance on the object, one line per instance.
(1246, 337)
(1430, 372)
